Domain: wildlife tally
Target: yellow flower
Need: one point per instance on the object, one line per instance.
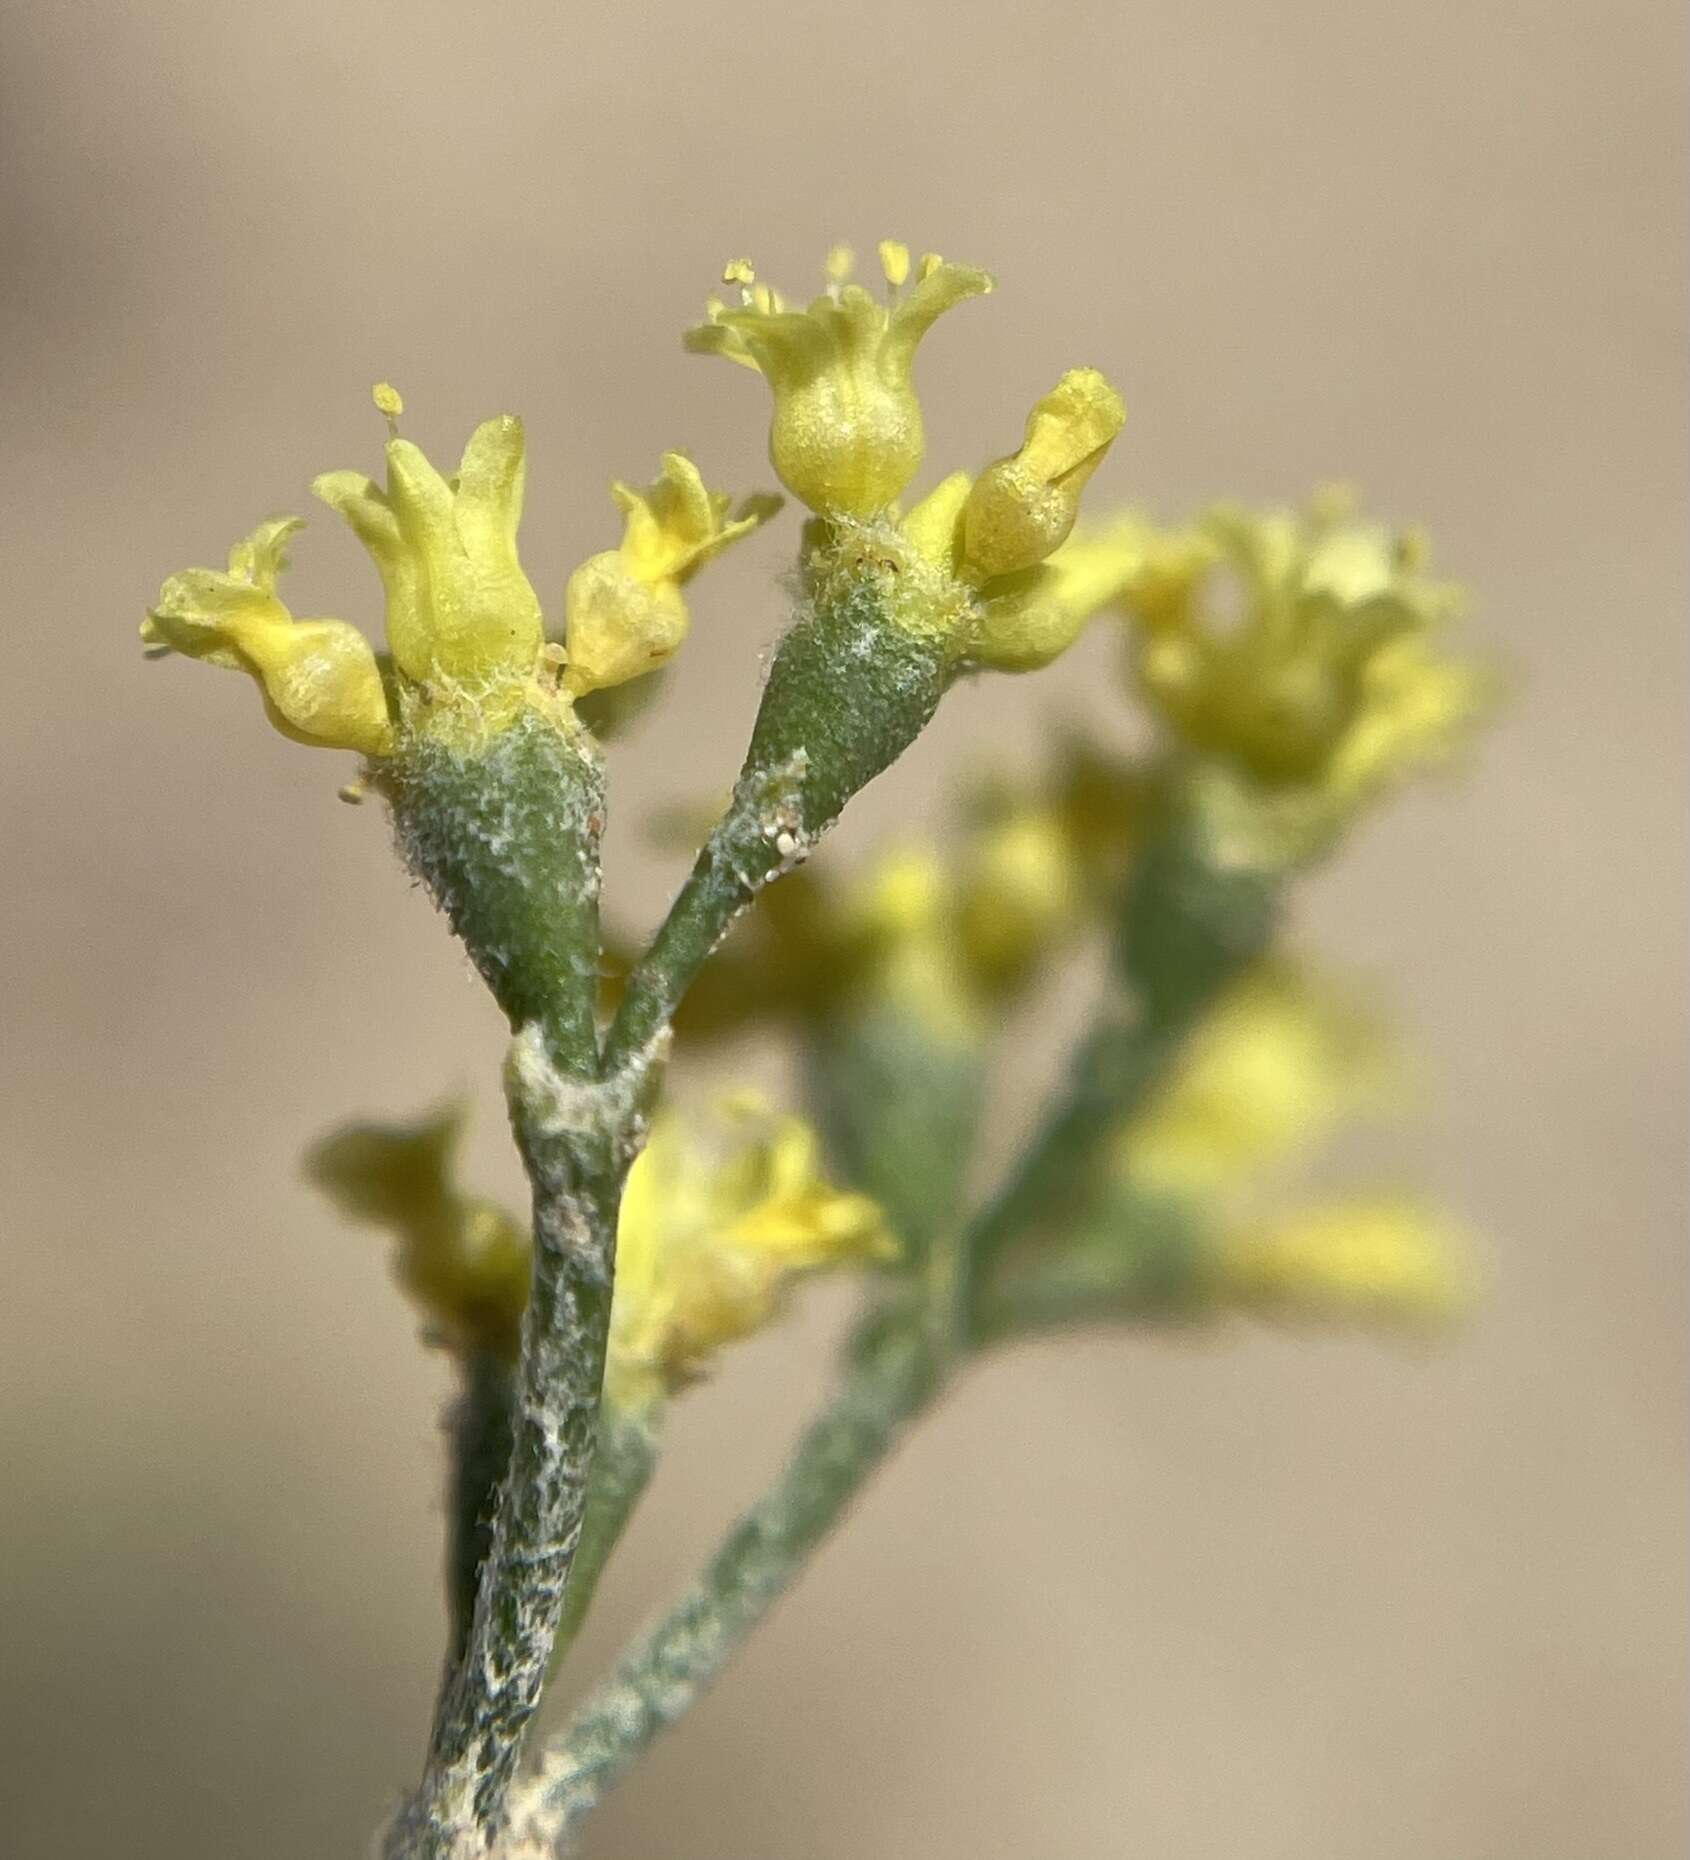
(1024, 507)
(1019, 892)
(625, 612)
(1281, 1060)
(320, 679)
(460, 610)
(1384, 1259)
(710, 1238)
(1023, 621)
(464, 1261)
(1323, 675)
(847, 435)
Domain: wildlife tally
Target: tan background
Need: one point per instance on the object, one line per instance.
(1259, 1599)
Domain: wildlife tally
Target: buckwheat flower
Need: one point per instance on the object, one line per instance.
(460, 610)
(1022, 508)
(846, 436)
(1385, 1259)
(711, 1236)
(624, 609)
(1304, 649)
(320, 678)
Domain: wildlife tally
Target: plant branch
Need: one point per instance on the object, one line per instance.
(664, 1674)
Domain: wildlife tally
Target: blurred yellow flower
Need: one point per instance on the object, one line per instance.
(1302, 647)
(462, 1259)
(320, 678)
(1281, 1060)
(1019, 892)
(711, 1236)
(847, 435)
(1380, 1260)
(624, 609)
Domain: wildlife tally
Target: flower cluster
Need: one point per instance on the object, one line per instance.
(1304, 648)
(987, 560)
(1284, 1060)
(467, 647)
(718, 1219)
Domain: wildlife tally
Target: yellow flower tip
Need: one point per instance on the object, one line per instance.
(389, 402)
(319, 678)
(894, 262)
(714, 1227)
(846, 436)
(840, 263)
(739, 271)
(460, 610)
(1387, 1261)
(624, 612)
(1024, 507)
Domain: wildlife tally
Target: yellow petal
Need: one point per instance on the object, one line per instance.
(320, 679)
(618, 626)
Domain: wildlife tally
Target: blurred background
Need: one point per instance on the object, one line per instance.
(1252, 1596)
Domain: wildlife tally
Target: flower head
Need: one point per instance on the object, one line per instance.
(460, 610)
(847, 434)
(1326, 677)
(320, 679)
(625, 612)
(712, 1234)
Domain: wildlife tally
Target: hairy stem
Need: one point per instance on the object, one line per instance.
(664, 1674)
(849, 690)
(622, 1469)
(1189, 925)
(492, 1693)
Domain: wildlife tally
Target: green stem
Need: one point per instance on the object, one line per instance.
(1189, 926)
(622, 1468)
(1143, 1259)
(491, 1694)
(849, 690)
(478, 1428)
(665, 1673)
(505, 835)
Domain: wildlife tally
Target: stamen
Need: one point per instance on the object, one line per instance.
(894, 262)
(840, 263)
(930, 263)
(739, 271)
(390, 404)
